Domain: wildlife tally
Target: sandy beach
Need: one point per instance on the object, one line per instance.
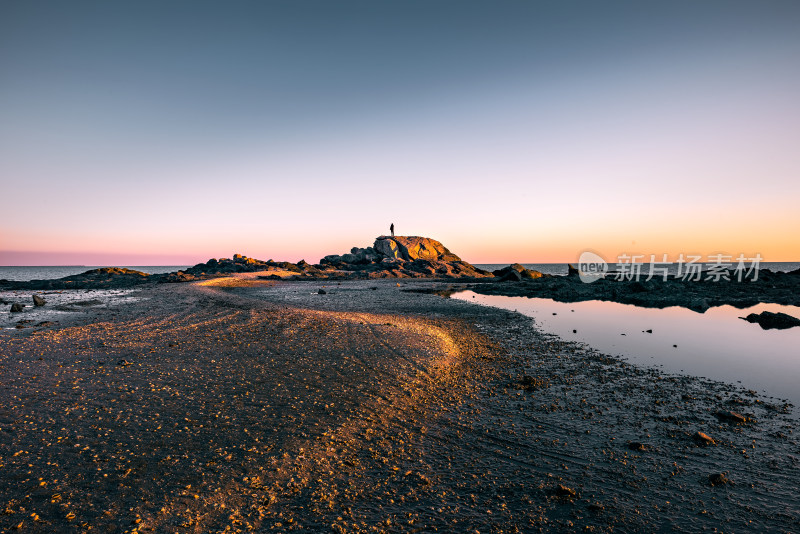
(245, 405)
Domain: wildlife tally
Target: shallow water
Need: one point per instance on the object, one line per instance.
(60, 304)
(715, 344)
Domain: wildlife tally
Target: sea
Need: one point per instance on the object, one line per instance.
(50, 272)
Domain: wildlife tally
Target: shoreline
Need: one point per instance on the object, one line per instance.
(428, 405)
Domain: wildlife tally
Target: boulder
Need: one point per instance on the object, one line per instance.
(511, 276)
(387, 248)
(38, 301)
(331, 258)
(17, 307)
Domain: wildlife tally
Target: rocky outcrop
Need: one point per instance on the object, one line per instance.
(107, 277)
(412, 248)
(699, 296)
(398, 257)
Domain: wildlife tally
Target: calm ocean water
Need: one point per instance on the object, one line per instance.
(51, 272)
(561, 268)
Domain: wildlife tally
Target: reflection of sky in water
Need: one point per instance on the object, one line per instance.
(92, 299)
(716, 344)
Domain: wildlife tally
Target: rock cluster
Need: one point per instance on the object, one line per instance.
(388, 257)
(515, 273)
(105, 278)
(399, 257)
(699, 296)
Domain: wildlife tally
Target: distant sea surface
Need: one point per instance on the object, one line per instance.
(52, 272)
(561, 268)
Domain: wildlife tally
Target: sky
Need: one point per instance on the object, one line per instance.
(166, 133)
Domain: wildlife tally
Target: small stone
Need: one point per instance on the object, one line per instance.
(702, 438)
(731, 417)
(636, 446)
(719, 479)
(322, 292)
(38, 301)
(17, 307)
(123, 363)
(564, 491)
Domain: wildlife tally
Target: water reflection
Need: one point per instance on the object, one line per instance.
(715, 344)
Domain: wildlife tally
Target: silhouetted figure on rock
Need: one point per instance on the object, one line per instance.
(391, 229)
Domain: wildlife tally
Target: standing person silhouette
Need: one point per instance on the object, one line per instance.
(391, 229)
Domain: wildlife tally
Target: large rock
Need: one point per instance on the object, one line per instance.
(16, 307)
(38, 301)
(387, 247)
(411, 248)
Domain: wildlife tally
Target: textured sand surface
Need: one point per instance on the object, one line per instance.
(244, 406)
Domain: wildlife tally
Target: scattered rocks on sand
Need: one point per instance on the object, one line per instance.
(531, 383)
(38, 301)
(768, 320)
(17, 307)
(701, 438)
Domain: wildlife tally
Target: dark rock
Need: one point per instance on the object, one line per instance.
(719, 479)
(731, 417)
(322, 292)
(572, 271)
(768, 320)
(704, 439)
(17, 307)
(636, 446)
(38, 301)
(564, 491)
(511, 276)
(123, 363)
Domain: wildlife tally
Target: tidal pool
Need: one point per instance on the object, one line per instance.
(716, 344)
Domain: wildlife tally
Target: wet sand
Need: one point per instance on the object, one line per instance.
(244, 405)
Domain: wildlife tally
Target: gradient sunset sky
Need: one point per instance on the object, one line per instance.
(169, 132)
